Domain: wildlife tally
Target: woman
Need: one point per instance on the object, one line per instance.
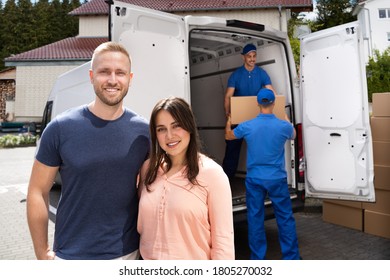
(185, 209)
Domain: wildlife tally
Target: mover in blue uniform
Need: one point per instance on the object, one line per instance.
(266, 136)
(246, 80)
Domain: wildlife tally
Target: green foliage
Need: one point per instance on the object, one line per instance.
(334, 12)
(10, 141)
(296, 21)
(296, 49)
(378, 73)
(25, 26)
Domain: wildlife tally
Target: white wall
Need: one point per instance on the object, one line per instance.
(377, 28)
(93, 26)
(33, 86)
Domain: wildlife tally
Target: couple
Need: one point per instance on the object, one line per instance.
(183, 206)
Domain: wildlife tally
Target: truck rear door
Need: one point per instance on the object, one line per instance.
(336, 130)
(158, 46)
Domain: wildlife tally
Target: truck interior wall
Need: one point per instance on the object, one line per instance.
(207, 97)
(271, 57)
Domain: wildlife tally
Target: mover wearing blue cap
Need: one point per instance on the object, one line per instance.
(266, 136)
(265, 97)
(248, 48)
(246, 80)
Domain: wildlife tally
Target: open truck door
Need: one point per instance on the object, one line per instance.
(336, 129)
(192, 57)
(147, 34)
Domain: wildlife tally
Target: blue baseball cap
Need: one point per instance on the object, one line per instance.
(248, 48)
(265, 96)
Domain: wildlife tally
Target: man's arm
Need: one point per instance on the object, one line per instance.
(271, 88)
(41, 181)
(287, 119)
(229, 93)
(229, 134)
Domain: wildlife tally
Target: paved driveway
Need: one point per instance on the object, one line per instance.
(15, 168)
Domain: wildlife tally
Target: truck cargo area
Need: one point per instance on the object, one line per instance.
(214, 55)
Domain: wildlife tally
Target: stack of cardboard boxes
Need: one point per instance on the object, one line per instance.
(372, 218)
(377, 215)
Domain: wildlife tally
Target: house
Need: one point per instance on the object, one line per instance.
(37, 70)
(375, 18)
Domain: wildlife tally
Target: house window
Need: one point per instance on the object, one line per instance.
(388, 36)
(384, 13)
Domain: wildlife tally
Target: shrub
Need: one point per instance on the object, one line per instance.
(25, 139)
(378, 73)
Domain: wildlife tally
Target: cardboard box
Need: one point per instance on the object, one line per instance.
(381, 151)
(381, 204)
(377, 223)
(382, 177)
(346, 216)
(380, 128)
(243, 108)
(381, 104)
(353, 204)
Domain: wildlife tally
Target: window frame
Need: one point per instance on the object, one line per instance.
(386, 13)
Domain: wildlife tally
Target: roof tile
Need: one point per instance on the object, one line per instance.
(101, 7)
(74, 48)
(78, 48)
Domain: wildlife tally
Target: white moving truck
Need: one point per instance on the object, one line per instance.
(192, 57)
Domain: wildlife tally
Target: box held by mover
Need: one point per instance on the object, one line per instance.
(243, 108)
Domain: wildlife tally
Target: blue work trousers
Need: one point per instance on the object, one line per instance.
(232, 157)
(256, 191)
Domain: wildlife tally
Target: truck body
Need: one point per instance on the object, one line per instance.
(192, 57)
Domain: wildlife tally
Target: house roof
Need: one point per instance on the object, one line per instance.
(74, 48)
(77, 48)
(100, 7)
(8, 74)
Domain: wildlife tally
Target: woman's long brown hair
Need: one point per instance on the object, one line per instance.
(182, 113)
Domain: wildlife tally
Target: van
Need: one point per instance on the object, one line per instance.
(192, 57)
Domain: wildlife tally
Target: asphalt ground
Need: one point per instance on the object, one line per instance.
(317, 239)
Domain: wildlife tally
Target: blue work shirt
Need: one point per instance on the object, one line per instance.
(265, 136)
(248, 83)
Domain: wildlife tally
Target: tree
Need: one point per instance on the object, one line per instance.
(9, 17)
(334, 12)
(378, 73)
(2, 42)
(24, 32)
(42, 15)
(25, 26)
(71, 26)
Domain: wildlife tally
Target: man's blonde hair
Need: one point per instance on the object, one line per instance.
(110, 47)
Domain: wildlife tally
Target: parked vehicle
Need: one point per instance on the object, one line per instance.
(192, 57)
(20, 127)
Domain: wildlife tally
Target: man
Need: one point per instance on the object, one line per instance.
(98, 149)
(247, 80)
(266, 136)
